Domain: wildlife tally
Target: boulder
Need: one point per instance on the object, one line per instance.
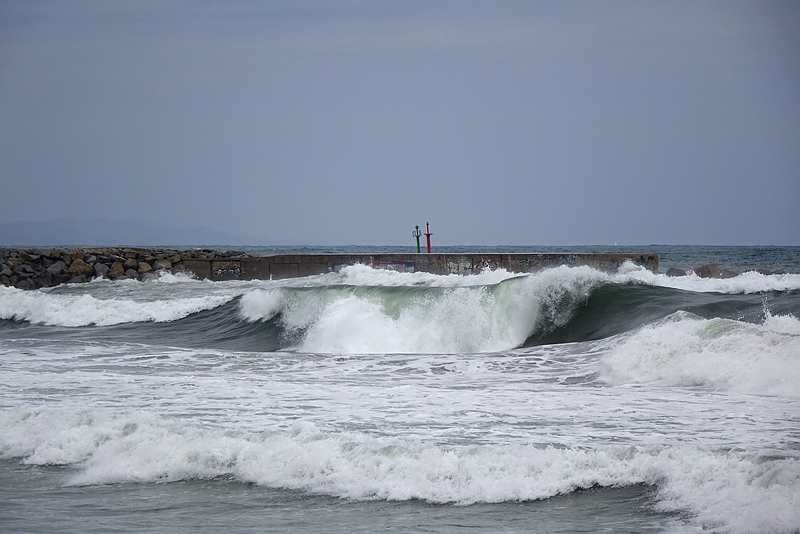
(713, 270)
(100, 269)
(672, 271)
(5, 270)
(26, 283)
(90, 259)
(44, 280)
(79, 279)
(56, 268)
(131, 263)
(79, 267)
(709, 270)
(23, 268)
(117, 270)
(161, 265)
(130, 273)
(144, 267)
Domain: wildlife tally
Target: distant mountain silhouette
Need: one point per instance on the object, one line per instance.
(100, 232)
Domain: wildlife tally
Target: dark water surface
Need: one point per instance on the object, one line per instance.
(35, 499)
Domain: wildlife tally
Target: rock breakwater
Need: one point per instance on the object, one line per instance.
(36, 268)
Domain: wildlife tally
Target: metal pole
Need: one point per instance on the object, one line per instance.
(428, 235)
(416, 233)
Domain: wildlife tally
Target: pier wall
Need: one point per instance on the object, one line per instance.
(35, 268)
(294, 265)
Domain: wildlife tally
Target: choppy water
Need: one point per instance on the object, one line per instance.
(566, 400)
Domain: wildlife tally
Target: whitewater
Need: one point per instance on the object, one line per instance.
(567, 399)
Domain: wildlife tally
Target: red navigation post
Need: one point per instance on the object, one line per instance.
(428, 235)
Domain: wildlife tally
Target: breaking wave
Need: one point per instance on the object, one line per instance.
(408, 319)
(744, 283)
(721, 490)
(687, 350)
(365, 310)
(80, 310)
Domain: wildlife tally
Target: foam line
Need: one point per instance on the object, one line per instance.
(722, 490)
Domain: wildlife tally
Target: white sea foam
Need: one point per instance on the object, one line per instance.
(463, 316)
(454, 319)
(744, 283)
(467, 315)
(748, 282)
(687, 350)
(435, 440)
(261, 305)
(166, 277)
(159, 277)
(364, 275)
(724, 490)
(80, 310)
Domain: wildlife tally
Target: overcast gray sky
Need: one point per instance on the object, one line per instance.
(349, 122)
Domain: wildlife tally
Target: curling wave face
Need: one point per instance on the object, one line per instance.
(364, 310)
(411, 319)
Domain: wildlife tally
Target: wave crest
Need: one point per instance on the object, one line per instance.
(402, 319)
(82, 310)
(365, 310)
(741, 284)
(687, 350)
(727, 490)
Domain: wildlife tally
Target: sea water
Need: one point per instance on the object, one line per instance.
(559, 401)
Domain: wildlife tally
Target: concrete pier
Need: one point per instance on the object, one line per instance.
(295, 265)
(36, 268)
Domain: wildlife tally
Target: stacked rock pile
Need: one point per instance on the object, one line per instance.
(34, 268)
